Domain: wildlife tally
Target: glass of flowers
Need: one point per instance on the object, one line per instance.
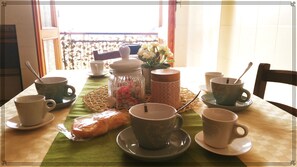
(154, 56)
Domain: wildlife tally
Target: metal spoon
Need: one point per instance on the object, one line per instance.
(248, 67)
(33, 71)
(182, 107)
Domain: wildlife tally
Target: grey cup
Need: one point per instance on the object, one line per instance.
(227, 93)
(55, 88)
(153, 128)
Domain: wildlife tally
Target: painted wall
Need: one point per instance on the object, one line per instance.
(22, 17)
(244, 33)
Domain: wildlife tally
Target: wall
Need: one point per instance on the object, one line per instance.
(22, 17)
(260, 34)
(244, 33)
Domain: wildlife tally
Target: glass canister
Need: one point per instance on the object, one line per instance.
(165, 87)
(126, 86)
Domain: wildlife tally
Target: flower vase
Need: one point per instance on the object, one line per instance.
(146, 72)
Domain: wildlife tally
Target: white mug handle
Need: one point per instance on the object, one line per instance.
(235, 133)
(50, 104)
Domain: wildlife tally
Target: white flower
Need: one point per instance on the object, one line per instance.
(148, 52)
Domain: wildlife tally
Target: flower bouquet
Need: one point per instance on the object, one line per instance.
(155, 55)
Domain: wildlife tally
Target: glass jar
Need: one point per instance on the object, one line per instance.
(126, 85)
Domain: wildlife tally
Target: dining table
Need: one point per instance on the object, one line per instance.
(272, 132)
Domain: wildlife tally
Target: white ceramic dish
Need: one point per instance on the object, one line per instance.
(179, 142)
(237, 147)
(210, 101)
(15, 123)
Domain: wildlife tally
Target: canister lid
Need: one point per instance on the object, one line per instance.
(126, 64)
(165, 75)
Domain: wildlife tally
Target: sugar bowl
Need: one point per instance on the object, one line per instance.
(126, 85)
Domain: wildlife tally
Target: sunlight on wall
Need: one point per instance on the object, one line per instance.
(197, 34)
(257, 33)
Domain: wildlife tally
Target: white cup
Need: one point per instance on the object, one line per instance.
(209, 76)
(220, 127)
(97, 67)
(33, 108)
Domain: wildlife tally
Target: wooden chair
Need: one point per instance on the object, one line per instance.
(265, 74)
(115, 54)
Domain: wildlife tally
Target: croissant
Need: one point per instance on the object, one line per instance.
(99, 123)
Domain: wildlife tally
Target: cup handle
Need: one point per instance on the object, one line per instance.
(50, 104)
(67, 94)
(244, 99)
(235, 133)
(179, 122)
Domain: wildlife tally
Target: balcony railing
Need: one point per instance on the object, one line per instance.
(77, 48)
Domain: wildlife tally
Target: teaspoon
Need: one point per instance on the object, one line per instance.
(248, 67)
(182, 107)
(33, 71)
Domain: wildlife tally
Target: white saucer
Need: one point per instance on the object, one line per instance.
(179, 142)
(14, 122)
(98, 76)
(67, 101)
(237, 147)
(210, 101)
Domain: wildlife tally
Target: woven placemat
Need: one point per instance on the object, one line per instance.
(97, 99)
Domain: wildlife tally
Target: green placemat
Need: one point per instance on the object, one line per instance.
(103, 150)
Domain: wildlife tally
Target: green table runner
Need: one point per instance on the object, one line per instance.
(103, 150)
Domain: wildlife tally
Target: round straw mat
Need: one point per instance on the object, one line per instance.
(97, 99)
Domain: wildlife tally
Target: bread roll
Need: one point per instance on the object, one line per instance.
(99, 123)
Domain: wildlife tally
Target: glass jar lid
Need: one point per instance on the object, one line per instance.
(126, 64)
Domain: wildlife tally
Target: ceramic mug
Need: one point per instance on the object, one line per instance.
(97, 67)
(209, 76)
(153, 128)
(220, 127)
(33, 108)
(227, 93)
(54, 88)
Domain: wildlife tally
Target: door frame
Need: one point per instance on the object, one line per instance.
(46, 33)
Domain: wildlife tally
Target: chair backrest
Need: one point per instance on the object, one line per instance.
(265, 74)
(106, 55)
(115, 54)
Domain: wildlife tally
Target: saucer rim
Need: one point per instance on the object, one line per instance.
(154, 158)
(200, 142)
(99, 75)
(15, 120)
(232, 108)
(65, 104)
